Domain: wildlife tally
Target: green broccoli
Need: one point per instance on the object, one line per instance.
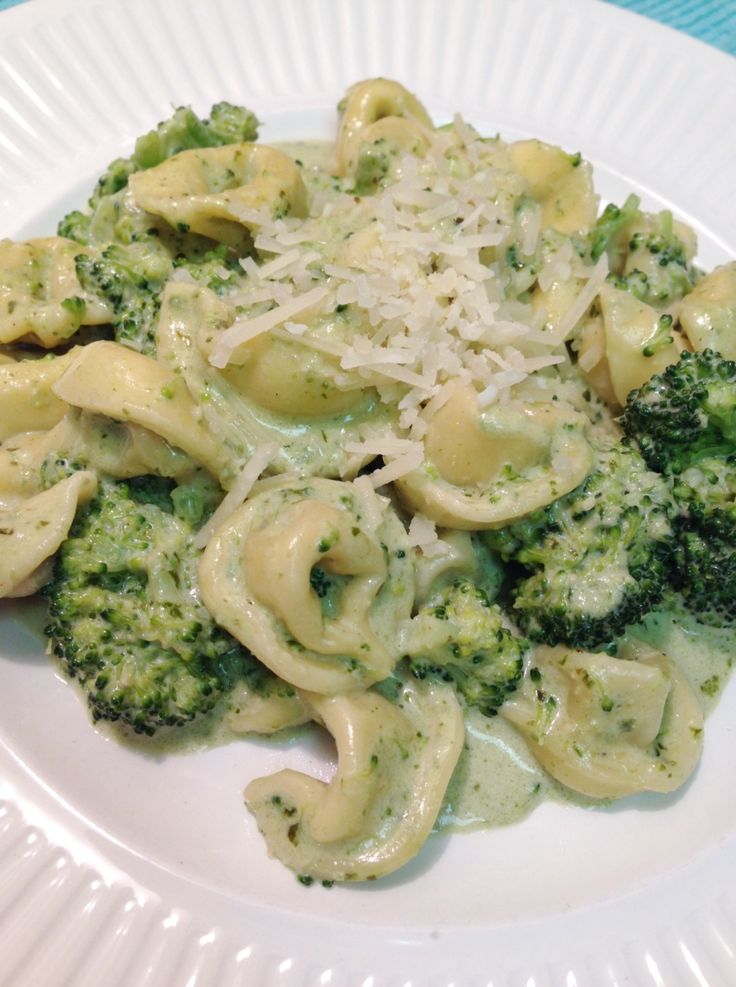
(460, 637)
(659, 272)
(606, 232)
(705, 570)
(646, 256)
(130, 278)
(141, 252)
(686, 413)
(595, 560)
(126, 619)
(226, 124)
(684, 421)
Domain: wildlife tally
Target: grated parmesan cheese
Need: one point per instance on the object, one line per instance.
(421, 265)
(242, 331)
(239, 491)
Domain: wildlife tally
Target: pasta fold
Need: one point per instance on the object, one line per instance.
(708, 313)
(485, 467)
(560, 182)
(218, 191)
(637, 343)
(192, 317)
(32, 532)
(394, 765)
(112, 380)
(375, 111)
(609, 727)
(41, 299)
(27, 402)
(304, 578)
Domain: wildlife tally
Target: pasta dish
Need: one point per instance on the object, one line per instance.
(402, 436)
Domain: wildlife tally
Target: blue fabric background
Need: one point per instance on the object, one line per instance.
(713, 21)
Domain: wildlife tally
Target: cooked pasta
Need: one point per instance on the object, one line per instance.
(340, 428)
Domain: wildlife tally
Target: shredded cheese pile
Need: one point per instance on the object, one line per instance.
(421, 266)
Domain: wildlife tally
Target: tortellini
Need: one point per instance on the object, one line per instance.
(560, 182)
(708, 313)
(27, 403)
(312, 584)
(250, 711)
(637, 342)
(191, 319)
(217, 191)
(609, 726)
(112, 380)
(394, 764)
(376, 111)
(486, 467)
(31, 532)
(457, 554)
(41, 299)
(97, 443)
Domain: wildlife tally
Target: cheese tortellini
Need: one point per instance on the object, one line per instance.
(394, 764)
(218, 191)
(312, 583)
(486, 467)
(638, 343)
(27, 401)
(562, 184)
(31, 532)
(610, 726)
(265, 399)
(112, 380)
(708, 313)
(41, 299)
(340, 373)
(379, 112)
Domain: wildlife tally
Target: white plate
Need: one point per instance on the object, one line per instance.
(122, 870)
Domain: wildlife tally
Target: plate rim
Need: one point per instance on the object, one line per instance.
(70, 859)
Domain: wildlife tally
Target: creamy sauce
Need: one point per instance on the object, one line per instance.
(705, 654)
(497, 780)
(313, 157)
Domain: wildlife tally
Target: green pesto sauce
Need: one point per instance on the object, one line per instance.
(497, 780)
(705, 654)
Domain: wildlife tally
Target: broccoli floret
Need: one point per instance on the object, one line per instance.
(597, 559)
(130, 278)
(227, 124)
(460, 637)
(75, 226)
(126, 619)
(686, 413)
(658, 269)
(646, 257)
(217, 269)
(141, 252)
(684, 421)
(609, 225)
(706, 493)
(705, 567)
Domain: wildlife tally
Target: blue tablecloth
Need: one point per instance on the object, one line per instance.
(712, 21)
